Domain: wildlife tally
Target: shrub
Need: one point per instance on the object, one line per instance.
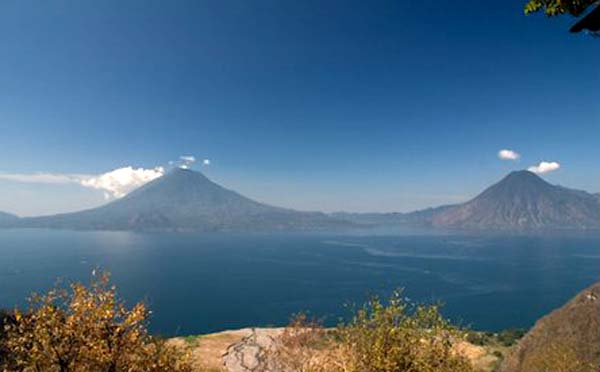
(388, 337)
(391, 338)
(304, 346)
(6, 319)
(478, 338)
(77, 329)
(510, 336)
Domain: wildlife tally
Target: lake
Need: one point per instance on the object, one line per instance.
(199, 283)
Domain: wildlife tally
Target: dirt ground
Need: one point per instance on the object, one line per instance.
(207, 350)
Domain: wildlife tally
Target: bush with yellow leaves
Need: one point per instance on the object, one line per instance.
(77, 329)
(394, 338)
(381, 337)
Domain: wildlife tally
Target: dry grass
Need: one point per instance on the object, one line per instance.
(330, 355)
(483, 358)
(207, 350)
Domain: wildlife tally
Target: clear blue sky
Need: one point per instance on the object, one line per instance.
(330, 105)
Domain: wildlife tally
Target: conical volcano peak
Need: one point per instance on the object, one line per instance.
(520, 200)
(185, 199)
(184, 172)
(520, 181)
(178, 180)
(523, 175)
(520, 173)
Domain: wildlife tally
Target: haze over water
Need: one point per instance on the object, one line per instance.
(198, 283)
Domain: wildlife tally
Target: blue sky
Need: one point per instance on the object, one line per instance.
(318, 105)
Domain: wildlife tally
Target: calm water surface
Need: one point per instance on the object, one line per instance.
(198, 283)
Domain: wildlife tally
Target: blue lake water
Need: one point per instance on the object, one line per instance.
(198, 283)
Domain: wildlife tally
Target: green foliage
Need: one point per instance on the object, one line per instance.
(391, 337)
(506, 338)
(479, 338)
(192, 340)
(558, 7)
(510, 336)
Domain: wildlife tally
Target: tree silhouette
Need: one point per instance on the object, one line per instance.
(576, 8)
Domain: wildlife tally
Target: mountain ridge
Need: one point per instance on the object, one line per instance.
(7, 219)
(523, 200)
(186, 200)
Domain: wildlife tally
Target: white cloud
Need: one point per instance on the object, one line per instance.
(506, 154)
(187, 158)
(544, 167)
(186, 161)
(50, 178)
(206, 162)
(121, 181)
(116, 183)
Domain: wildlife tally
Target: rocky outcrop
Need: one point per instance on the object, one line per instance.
(566, 340)
(250, 353)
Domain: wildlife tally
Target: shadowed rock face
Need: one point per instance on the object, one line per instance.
(523, 200)
(186, 200)
(566, 340)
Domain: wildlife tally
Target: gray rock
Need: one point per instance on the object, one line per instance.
(251, 353)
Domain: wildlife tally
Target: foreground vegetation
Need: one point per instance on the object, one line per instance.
(382, 336)
(78, 328)
(81, 329)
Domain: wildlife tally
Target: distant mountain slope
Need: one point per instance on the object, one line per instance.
(520, 201)
(371, 219)
(186, 200)
(417, 218)
(7, 219)
(523, 200)
(566, 340)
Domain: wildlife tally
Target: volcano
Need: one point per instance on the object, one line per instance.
(523, 200)
(186, 200)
